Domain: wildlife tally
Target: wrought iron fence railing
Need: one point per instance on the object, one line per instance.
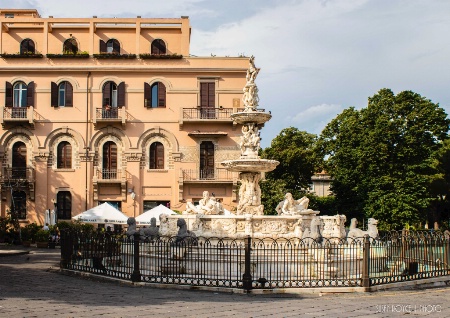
(257, 263)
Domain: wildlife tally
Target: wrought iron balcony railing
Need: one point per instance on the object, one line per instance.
(216, 174)
(14, 175)
(110, 115)
(109, 174)
(207, 114)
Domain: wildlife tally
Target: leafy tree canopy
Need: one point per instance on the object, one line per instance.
(381, 157)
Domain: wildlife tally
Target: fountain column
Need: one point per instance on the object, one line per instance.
(250, 165)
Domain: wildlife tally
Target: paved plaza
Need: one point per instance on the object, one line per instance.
(31, 286)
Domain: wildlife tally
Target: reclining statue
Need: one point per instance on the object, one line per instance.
(291, 206)
(207, 205)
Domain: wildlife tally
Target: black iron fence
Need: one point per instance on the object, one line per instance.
(258, 263)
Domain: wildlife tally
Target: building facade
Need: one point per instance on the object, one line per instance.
(112, 110)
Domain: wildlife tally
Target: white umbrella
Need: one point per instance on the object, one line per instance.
(103, 213)
(52, 217)
(145, 218)
(47, 217)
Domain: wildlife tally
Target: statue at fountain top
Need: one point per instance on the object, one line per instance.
(252, 71)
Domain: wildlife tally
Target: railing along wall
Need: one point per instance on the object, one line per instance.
(208, 174)
(257, 263)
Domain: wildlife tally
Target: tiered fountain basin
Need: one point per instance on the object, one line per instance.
(250, 165)
(254, 116)
(255, 226)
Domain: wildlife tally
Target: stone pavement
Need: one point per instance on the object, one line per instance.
(31, 286)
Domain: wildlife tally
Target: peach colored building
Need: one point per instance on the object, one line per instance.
(112, 110)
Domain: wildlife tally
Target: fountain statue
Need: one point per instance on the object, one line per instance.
(294, 218)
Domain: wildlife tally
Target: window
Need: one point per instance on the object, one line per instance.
(109, 160)
(19, 204)
(19, 160)
(27, 47)
(112, 46)
(207, 160)
(64, 156)
(62, 94)
(9, 15)
(158, 47)
(154, 95)
(114, 95)
(64, 205)
(20, 95)
(70, 46)
(156, 156)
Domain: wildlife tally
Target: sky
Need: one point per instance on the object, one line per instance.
(317, 57)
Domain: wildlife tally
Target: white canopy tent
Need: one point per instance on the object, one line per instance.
(103, 213)
(145, 218)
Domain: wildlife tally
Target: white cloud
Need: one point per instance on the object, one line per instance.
(315, 117)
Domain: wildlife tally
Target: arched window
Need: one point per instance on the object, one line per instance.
(155, 95)
(156, 156)
(110, 94)
(113, 46)
(19, 204)
(62, 94)
(64, 205)
(70, 46)
(64, 155)
(20, 94)
(27, 47)
(158, 47)
(19, 160)
(109, 160)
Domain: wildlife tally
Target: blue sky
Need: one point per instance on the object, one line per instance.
(317, 57)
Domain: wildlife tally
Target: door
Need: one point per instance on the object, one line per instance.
(207, 100)
(19, 161)
(207, 160)
(109, 160)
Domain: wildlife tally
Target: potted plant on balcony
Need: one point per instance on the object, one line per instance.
(42, 237)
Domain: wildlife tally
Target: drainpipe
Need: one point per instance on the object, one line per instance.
(87, 140)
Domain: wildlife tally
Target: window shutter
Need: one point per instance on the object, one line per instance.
(30, 94)
(107, 93)
(69, 95)
(116, 47)
(23, 46)
(161, 95)
(8, 94)
(158, 47)
(121, 95)
(160, 156)
(204, 95)
(31, 47)
(54, 95)
(211, 94)
(154, 49)
(147, 95)
(102, 46)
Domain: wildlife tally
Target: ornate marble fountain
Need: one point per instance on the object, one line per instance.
(294, 218)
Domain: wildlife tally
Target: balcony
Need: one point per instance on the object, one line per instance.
(109, 177)
(207, 115)
(217, 175)
(18, 179)
(17, 115)
(113, 115)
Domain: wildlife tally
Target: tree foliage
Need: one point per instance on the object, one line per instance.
(381, 157)
(294, 149)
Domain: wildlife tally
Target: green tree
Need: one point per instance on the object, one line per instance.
(294, 149)
(381, 157)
